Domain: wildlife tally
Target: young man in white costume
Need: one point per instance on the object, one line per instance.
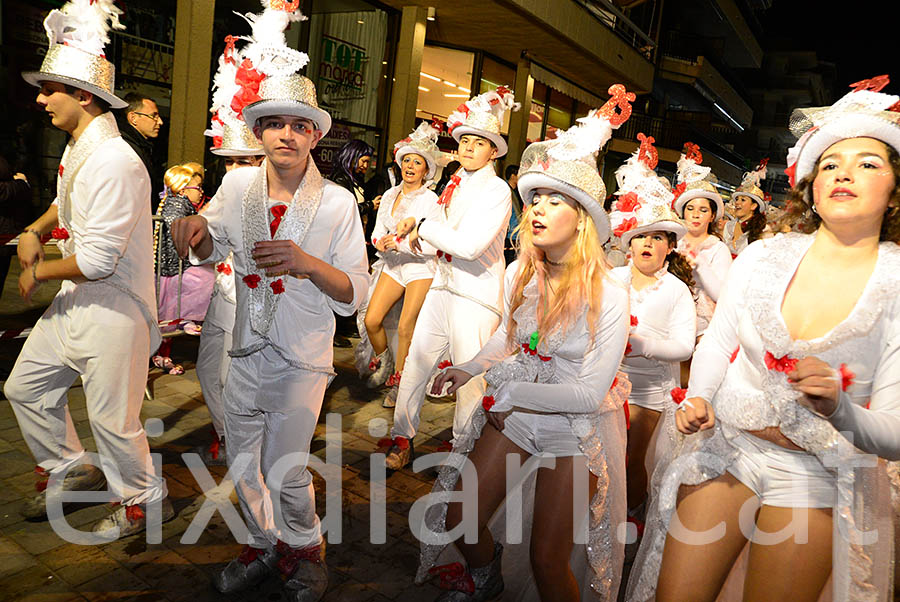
(102, 323)
(464, 304)
(238, 146)
(299, 254)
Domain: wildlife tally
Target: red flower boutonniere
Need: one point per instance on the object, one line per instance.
(445, 364)
(277, 286)
(61, 170)
(678, 394)
(627, 348)
(223, 268)
(487, 402)
(251, 280)
(783, 364)
(59, 234)
(846, 377)
(634, 321)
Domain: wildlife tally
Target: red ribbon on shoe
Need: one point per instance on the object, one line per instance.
(249, 554)
(454, 576)
(291, 557)
(401, 442)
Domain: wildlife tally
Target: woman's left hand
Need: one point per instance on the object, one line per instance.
(280, 257)
(819, 383)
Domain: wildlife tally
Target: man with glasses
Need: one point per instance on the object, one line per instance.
(139, 125)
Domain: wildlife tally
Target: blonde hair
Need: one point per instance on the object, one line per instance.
(581, 287)
(179, 176)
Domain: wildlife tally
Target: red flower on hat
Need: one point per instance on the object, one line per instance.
(628, 202)
(277, 286)
(678, 394)
(487, 402)
(248, 79)
(503, 90)
(692, 151)
(783, 364)
(437, 124)
(251, 280)
(625, 226)
(874, 84)
(223, 268)
(846, 377)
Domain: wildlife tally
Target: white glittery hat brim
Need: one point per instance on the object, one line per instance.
(236, 152)
(411, 150)
(461, 130)
(763, 206)
(666, 226)
(531, 181)
(849, 126)
(266, 108)
(36, 77)
(695, 194)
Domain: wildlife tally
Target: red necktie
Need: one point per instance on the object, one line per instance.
(278, 212)
(448, 190)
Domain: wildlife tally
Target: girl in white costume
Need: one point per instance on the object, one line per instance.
(549, 367)
(663, 318)
(701, 208)
(750, 207)
(797, 368)
(405, 273)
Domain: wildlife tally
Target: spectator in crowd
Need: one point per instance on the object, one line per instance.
(512, 178)
(139, 124)
(16, 212)
(451, 169)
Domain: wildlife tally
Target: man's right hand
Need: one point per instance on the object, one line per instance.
(30, 249)
(189, 233)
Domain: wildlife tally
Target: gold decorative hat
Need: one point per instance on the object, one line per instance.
(483, 116)
(275, 83)
(750, 186)
(693, 181)
(231, 136)
(422, 142)
(644, 203)
(78, 34)
(568, 163)
(862, 112)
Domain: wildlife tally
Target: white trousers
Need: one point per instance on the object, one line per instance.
(271, 410)
(104, 338)
(212, 369)
(446, 323)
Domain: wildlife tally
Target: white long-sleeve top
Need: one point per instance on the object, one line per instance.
(584, 369)
(107, 214)
(472, 231)
(302, 330)
(712, 259)
(663, 336)
(420, 203)
(748, 323)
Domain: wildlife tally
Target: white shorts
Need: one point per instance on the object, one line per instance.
(542, 434)
(780, 477)
(410, 271)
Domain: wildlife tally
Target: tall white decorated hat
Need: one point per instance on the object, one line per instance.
(750, 186)
(423, 142)
(483, 116)
(78, 34)
(644, 203)
(568, 163)
(280, 90)
(230, 134)
(693, 181)
(863, 112)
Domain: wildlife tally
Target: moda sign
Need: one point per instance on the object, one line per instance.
(342, 70)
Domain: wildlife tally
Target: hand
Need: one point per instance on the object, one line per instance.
(694, 414)
(820, 385)
(498, 419)
(390, 242)
(405, 226)
(20, 176)
(30, 250)
(380, 243)
(280, 257)
(414, 245)
(189, 233)
(27, 284)
(454, 376)
(376, 202)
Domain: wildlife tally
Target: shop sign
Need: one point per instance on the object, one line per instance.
(325, 153)
(342, 70)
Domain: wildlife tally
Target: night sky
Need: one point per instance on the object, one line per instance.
(859, 38)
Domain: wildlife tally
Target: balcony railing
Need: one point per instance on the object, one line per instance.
(609, 15)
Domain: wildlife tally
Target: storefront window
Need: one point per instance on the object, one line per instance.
(536, 118)
(444, 82)
(560, 115)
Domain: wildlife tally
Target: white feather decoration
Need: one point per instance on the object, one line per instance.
(83, 24)
(268, 50)
(583, 139)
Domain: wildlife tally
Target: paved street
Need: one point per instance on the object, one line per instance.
(36, 565)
